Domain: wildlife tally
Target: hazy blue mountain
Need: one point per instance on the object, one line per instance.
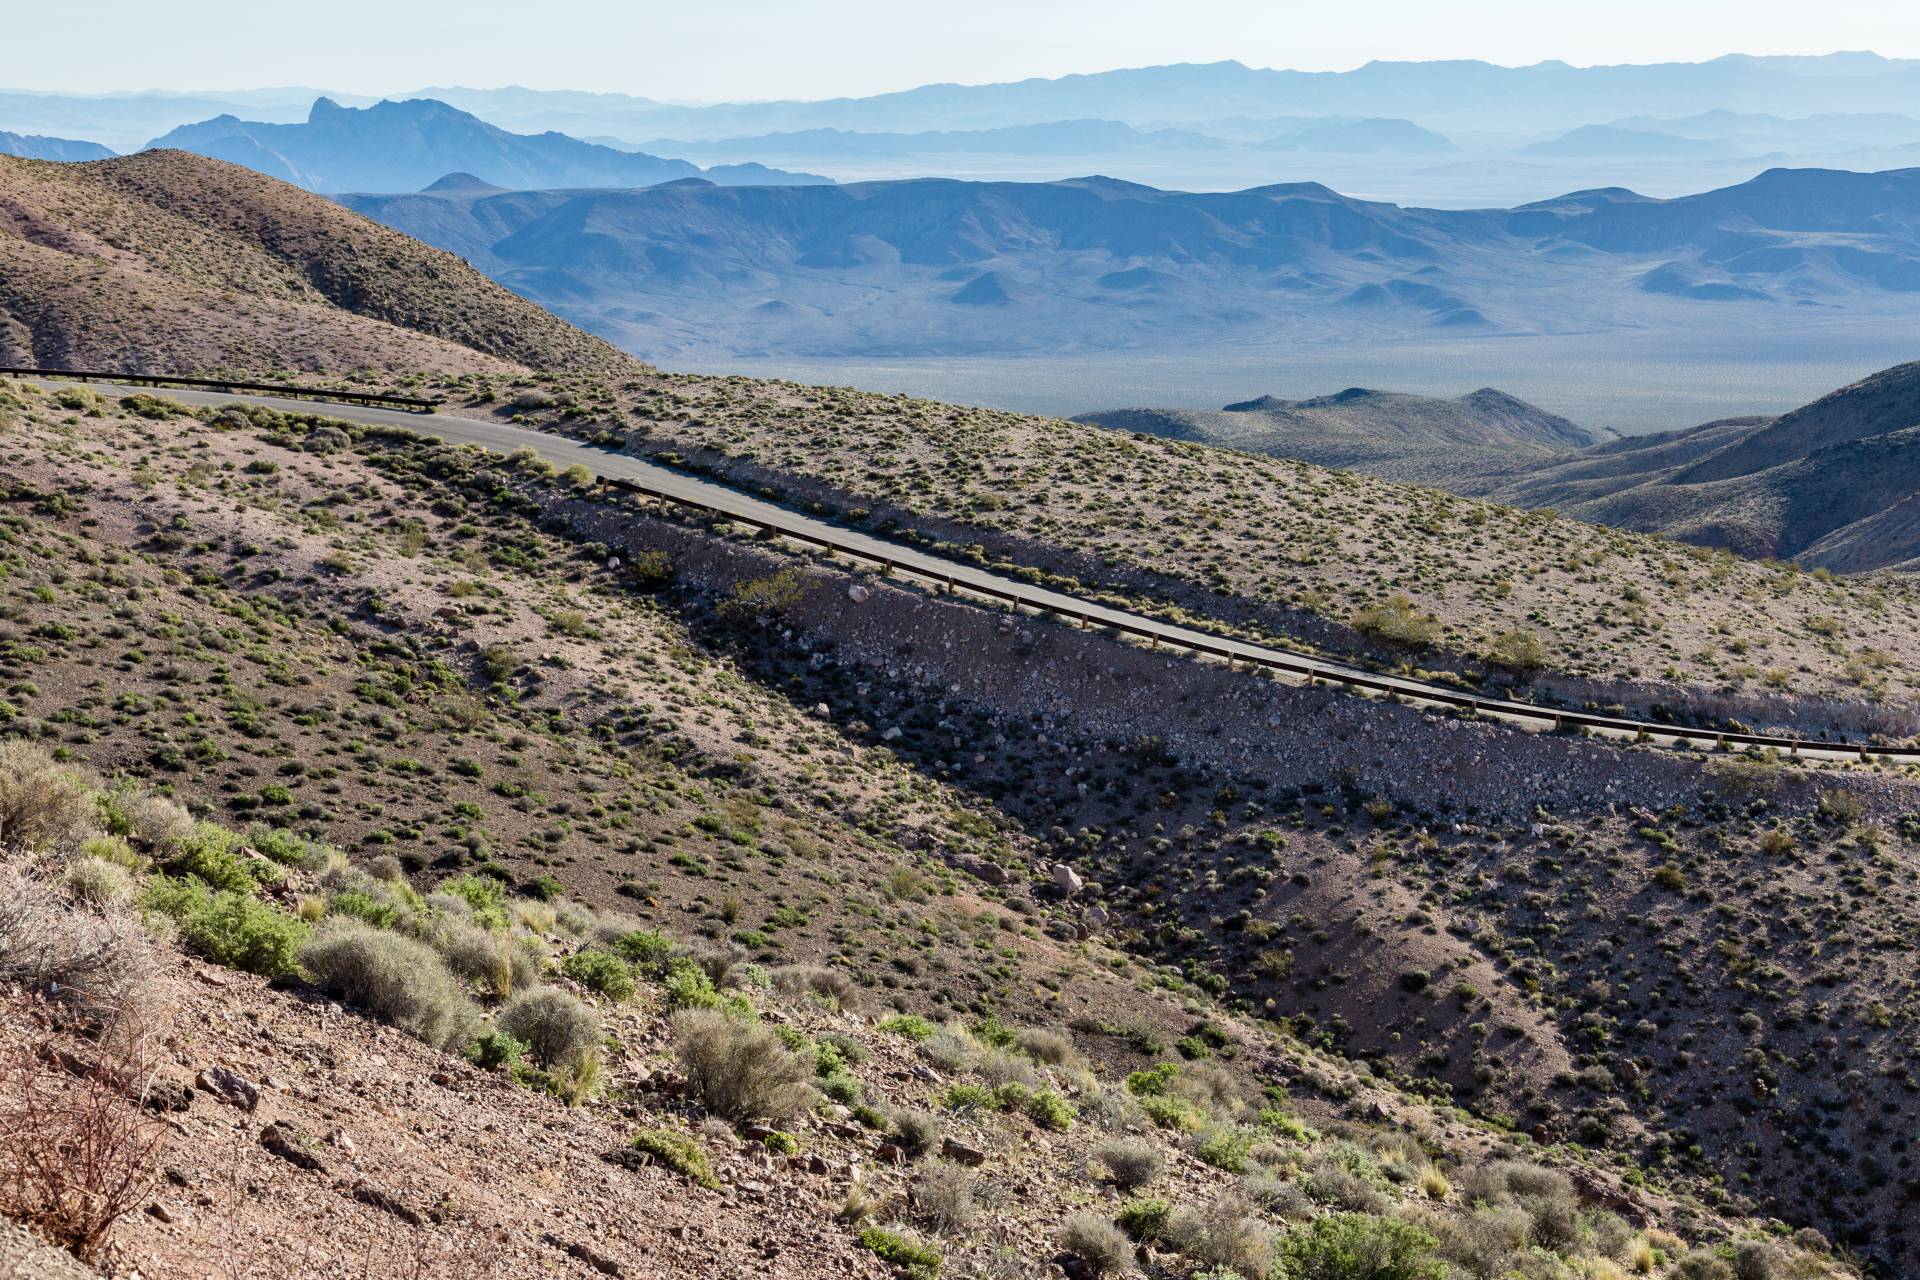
(1829, 132)
(123, 121)
(1360, 136)
(1592, 141)
(933, 267)
(1053, 138)
(35, 147)
(404, 145)
(1447, 96)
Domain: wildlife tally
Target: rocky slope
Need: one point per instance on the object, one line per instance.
(1830, 484)
(169, 262)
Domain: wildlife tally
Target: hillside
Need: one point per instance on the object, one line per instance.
(896, 929)
(1383, 433)
(401, 146)
(1827, 484)
(882, 270)
(169, 262)
(813, 1000)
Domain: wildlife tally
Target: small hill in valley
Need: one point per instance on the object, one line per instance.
(1386, 433)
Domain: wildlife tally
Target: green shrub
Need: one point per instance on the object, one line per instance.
(911, 1025)
(211, 854)
(285, 847)
(1050, 1111)
(645, 950)
(487, 897)
(919, 1260)
(399, 980)
(961, 1097)
(679, 1152)
(1172, 1113)
(1226, 1148)
(360, 905)
(228, 928)
(1144, 1220)
(493, 1049)
(602, 972)
(1154, 1082)
(1358, 1246)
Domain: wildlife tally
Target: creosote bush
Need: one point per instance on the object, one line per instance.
(1097, 1242)
(739, 1070)
(556, 1028)
(398, 979)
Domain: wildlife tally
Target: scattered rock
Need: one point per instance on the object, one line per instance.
(1066, 879)
(167, 1093)
(230, 1087)
(368, 1194)
(598, 1261)
(859, 594)
(960, 1153)
(291, 1145)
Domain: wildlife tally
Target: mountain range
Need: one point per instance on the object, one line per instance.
(404, 145)
(932, 267)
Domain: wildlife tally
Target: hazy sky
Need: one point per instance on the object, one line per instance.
(714, 50)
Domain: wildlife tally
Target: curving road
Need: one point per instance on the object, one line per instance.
(639, 476)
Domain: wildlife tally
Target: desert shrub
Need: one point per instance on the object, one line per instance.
(1054, 1048)
(1546, 1196)
(1341, 1188)
(556, 1028)
(501, 965)
(603, 972)
(1225, 1147)
(397, 979)
(98, 882)
(1701, 1264)
(287, 848)
(1760, 1260)
(152, 822)
(493, 1049)
(1227, 1233)
(1359, 1246)
(1396, 621)
(679, 1152)
(211, 853)
(1097, 1242)
(1130, 1163)
(1518, 650)
(484, 896)
(89, 959)
(830, 987)
(916, 1259)
(644, 949)
(943, 1199)
(228, 928)
(1483, 1243)
(1280, 1197)
(1050, 1111)
(911, 1025)
(739, 1070)
(949, 1050)
(76, 1152)
(43, 804)
(916, 1132)
(1145, 1220)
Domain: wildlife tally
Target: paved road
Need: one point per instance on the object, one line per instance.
(660, 482)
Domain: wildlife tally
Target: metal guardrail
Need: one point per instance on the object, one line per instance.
(1559, 719)
(409, 403)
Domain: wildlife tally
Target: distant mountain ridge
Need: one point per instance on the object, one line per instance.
(1384, 433)
(889, 268)
(35, 147)
(405, 145)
